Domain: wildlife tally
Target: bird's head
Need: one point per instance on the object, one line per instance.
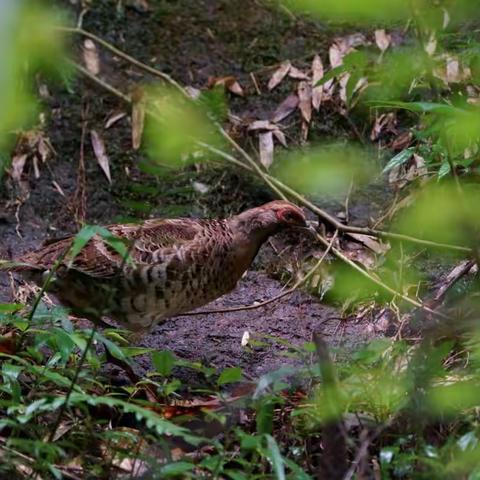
(268, 219)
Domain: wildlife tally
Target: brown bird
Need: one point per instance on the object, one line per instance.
(177, 265)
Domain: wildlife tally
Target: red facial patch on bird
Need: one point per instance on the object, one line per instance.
(291, 215)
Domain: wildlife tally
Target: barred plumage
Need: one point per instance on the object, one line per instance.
(178, 265)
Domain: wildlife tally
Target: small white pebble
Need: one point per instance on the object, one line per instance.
(245, 338)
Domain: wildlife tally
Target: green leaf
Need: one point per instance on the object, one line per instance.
(175, 469)
(163, 362)
(273, 454)
(80, 240)
(444, 170)
(331, 74)
(10, 307)
(230, 375)
(113, 348)
(64, 343)
(399, 159)
(264, 418)
(152, 420)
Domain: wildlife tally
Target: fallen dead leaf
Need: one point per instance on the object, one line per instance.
(138, 117)
(402, 141)
(386, 122)
(90, 57)
(17, 166)
(58, 188)
(431, 45)
(279, 74)
(305, 100)
(230, 84)
(317, 75)
(297, 74)
(360, 254)
(286, 108)
(403, 174)
(262, 125)
(114, 118)
(371, 242)
(280, 136)
(100, 153)
(266, 148)
(382, 39)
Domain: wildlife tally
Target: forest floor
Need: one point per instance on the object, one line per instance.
(192, 41)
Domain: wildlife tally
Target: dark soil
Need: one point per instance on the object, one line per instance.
(191, 40)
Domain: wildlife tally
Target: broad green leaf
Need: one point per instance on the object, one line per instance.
(273, 454)
(334, 72)
(230, 375)
(10, 307)
(264, 417)
(163, 362)
(175, 469)
(399, 159)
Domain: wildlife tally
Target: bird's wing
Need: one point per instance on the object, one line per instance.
(147, 243)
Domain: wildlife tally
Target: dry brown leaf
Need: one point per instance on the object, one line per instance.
(114, 118)
(138, 116)
(235, 88)
(297, 74)
(229, 83)
(401, 175)
(43, 148)
(402, 141)
(382, 39)
(371, 242)
(266, 148)
(431, 45)
(286, 108)
(358, 253)
(335, 55)
(36, 169)
(317, 75)
(58, 188)
(305, 100)
(18, 164)
(262, 125)
(453, 70)
(385, 122)
(90, 57)
(100, 153)
(280, 136)
(279, 74)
